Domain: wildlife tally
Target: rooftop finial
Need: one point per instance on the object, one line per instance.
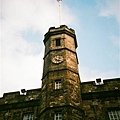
(59, 2)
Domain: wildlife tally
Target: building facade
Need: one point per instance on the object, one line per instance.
(62, 95)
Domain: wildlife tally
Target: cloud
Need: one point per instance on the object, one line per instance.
(88, 74)
(22, 72)
(110, 8)
(21, 64)
(37, 14)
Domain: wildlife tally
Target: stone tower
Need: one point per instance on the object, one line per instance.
(60, 97)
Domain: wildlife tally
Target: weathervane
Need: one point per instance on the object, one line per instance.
(59, 2)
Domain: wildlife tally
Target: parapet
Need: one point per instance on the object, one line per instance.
(108, 88)
(17, 97)
(63, 29)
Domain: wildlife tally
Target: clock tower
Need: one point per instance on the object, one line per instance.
(60, 97)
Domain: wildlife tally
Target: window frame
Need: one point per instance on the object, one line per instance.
(30, 116)
(114, 114)
(58, 84)
(58, 115)
(58, 41)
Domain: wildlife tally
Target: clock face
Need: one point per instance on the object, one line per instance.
(57, 59)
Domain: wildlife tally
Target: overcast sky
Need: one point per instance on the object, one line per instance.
(23, 24)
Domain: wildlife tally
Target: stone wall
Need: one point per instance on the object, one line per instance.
(98, 100)
(14, 105)
(105, 85)
(68, 113)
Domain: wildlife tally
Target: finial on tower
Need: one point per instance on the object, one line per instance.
(59, 2)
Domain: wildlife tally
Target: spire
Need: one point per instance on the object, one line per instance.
(60, 17)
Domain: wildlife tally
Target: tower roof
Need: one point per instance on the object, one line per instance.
(63, 29)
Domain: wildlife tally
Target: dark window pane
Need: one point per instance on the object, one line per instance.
(58, 42)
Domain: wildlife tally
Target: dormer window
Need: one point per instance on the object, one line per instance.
(58, 42)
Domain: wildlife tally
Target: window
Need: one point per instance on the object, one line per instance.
(58, 116)
(28, 116)
(58, 42)
(114, 115)
(58, 84)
